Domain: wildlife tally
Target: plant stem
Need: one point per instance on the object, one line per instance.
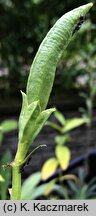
(16, 174)
(16, 183)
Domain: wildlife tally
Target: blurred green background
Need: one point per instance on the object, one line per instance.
(23, 25)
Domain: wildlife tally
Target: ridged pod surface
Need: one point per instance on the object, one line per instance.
(43, 68)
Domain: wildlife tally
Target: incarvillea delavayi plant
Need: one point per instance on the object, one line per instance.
(41, 77)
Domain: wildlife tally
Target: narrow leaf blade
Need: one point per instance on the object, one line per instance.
(73, 123)
(8, 125)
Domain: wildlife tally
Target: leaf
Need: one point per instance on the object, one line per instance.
(49, 168)
(69, 177)
(63, 155)
(60, 117)
(61, 140)
(8, 125)
(43, 190)
(73, 123)
(61, 190)
(49, 187)
(83, 192)
(34, 125)
(53, 125)
(38, 191)
(44, 65)
(28, 116)
(29, 184)
(42, 118)
(73, 186)
(6, 174)
(1, 179)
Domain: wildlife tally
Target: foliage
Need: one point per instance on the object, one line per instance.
(82, 190)
(77, 189)
(90, 93)
(62, 153)
(26, 24)
(5, 174)
(65, 187)
(79, 59)
(49, 167)
(36, 189)
(29, 186)
(65, 126)
(7, 126)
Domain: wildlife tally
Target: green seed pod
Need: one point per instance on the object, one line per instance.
(43, 68)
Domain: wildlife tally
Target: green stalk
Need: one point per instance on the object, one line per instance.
(16, 183)
(33, 114)
(16, 173)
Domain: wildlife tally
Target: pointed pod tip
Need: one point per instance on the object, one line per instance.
(91, 4)
(54, 109)
(51, 110)
(88, 6)
(83, 9)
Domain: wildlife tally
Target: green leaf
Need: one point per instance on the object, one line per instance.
(34, 125)
(49, 187)
(60, 117)
(73, 186)
(28, 186)
(6, 174)
(1, 179)
(49, 168)
(41, 120)
(61, 190)
(61, 140)
(53, 125)
(31, 120)
(83, 192)
(44, 65)
(63, 155)
(38, 191)
(73, 123)
(31, 190)
(8, 125)
(28, 116)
